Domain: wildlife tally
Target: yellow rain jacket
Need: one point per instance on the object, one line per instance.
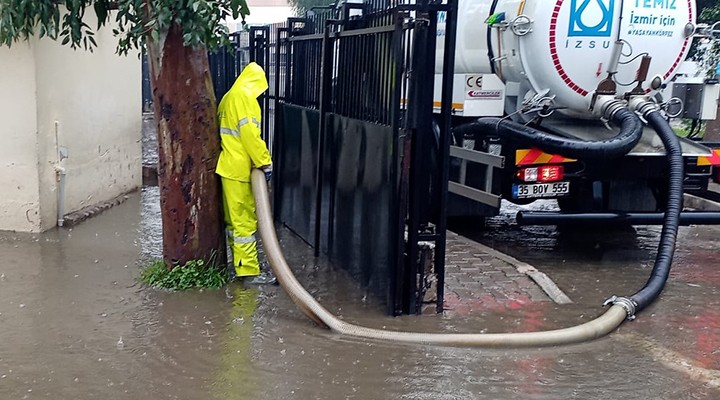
(242, 149)
(239, 117)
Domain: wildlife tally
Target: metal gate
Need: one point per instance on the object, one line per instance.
(362, 177)
(361, 174)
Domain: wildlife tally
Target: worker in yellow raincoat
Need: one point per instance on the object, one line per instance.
(242, 150)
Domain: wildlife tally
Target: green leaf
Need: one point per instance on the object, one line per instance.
(136, 20)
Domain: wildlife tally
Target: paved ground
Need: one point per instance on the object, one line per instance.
(479, 278)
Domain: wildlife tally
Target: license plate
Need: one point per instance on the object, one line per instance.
(539, 190)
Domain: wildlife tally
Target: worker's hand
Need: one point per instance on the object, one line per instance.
(267, 169)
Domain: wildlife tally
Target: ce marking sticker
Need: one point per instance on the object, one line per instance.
(474, 81)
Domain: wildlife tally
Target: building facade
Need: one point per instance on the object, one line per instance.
(71, 124)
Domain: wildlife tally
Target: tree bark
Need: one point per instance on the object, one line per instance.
(189, 145)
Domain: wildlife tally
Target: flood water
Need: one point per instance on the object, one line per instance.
(74, 324)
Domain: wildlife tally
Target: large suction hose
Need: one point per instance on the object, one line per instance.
(621, 309)
(630, 133)
(671, 221)
(596, 328)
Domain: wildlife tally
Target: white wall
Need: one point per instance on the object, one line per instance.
(96, 100)
(19, 202)
(93, 102)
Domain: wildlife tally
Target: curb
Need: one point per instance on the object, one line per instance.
(540, 278)
(74, 218)
(699, 203)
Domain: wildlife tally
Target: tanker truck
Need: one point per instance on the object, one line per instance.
(547, 92)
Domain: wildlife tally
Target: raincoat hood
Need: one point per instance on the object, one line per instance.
(252, 80)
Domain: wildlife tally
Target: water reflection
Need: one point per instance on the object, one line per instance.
(236, 378)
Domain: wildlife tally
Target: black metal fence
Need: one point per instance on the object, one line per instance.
(361, 174)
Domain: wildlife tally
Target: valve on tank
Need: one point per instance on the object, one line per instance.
(641, 77)
(608, 87)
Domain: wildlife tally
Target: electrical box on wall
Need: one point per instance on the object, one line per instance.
(700, 99)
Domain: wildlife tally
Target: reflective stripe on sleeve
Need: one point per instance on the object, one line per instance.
(229, 131)
(245, 239)
(246, 121)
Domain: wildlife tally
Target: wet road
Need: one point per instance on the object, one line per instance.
(75, 325)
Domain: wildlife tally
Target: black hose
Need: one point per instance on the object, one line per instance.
(671, 221)
(630, 133)
(491, 55)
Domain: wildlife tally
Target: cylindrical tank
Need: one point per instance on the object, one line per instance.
(570, 43)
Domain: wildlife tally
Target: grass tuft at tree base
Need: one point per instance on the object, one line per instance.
(195, 274)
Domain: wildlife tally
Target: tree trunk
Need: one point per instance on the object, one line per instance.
(189, 145)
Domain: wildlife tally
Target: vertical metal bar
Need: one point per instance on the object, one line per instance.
(347, 49)
(252, 45)
(318, 75)
(288, 65)
(298, 71)
(413, 228)
(420, 115)
(257, 47)
(445, 136)
(277, 143)
(420, 107)
(421, 283)
(332, 107)
(355, 75)
(489, 169)
(325, 79)
(265, 51)
(399, 202)
(382, 78)
(339, 94)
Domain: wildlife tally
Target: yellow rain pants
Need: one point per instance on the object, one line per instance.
(241, 223)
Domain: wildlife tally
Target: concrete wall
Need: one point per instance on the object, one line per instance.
(88, 103)
(20, 200)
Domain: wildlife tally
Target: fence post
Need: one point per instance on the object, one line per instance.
(277, 137)
(326, 70)
(442, 176)
(398, 171)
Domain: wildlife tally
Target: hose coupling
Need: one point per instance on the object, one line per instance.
(624, 302)
(643, 105)
(607, 106)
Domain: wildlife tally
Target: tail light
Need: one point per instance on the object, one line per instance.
(544, 174)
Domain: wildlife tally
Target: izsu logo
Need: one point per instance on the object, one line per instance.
(591, 18)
